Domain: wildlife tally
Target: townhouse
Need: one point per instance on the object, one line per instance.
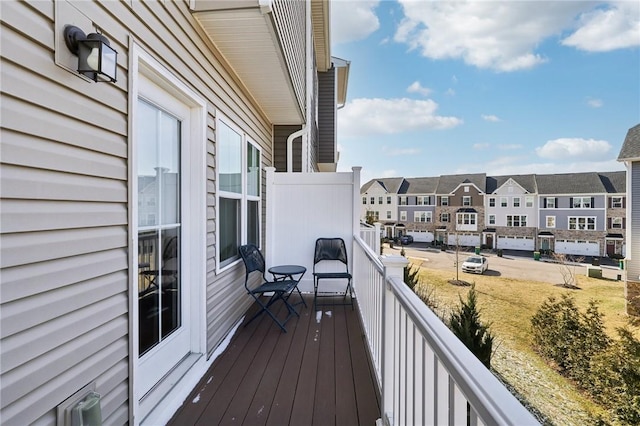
(581, 214)
(630, 156)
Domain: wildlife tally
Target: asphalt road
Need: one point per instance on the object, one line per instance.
(510, 265)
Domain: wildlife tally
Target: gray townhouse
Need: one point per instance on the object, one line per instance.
(630, 155)
(417, 208)
(582, 214)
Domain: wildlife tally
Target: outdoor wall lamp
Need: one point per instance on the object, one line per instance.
(96, 59)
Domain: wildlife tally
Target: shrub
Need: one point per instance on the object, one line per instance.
(615, 377)
(466, 325)
(411, 277)
(569, 338)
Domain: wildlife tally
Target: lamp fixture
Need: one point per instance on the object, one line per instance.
(96, 59)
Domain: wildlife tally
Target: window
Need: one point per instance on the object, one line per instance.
(239, 187)
(444, 217)
(403, 201)
(373, 200)
(364, 200)
(551, 221)
(422, 217)
(528, 201)
(403, 216)
(373, 215)
(467, 218)
(616, 202)
(582, 223)
(504, 202)
(550, 202)
(516, 220)
(379, 200)
(492, 202)
(466, 189)
(466, 200)
(444, 200)
(616, 222)
(492, 219)
(423, 201)
(388, 214)
(516, 201)
(388, 200)
(581, 203)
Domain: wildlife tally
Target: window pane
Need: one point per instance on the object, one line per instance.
(253, 223)
(169, 169)
(229, 229)
(230, 159)
(253, 170)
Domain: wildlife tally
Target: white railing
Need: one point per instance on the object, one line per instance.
(370, 234)
(427, 376)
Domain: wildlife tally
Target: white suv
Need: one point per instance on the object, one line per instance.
(476, 264)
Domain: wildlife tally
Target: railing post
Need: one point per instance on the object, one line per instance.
(376, 241)
(393, 268)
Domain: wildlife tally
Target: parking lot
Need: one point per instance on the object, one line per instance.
(517, 265)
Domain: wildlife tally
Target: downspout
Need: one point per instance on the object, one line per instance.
(290, 139)
(309, 86)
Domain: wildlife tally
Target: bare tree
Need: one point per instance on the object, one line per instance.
(567, 265)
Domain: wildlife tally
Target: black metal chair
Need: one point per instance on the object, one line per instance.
(281, 289)
(330, 262)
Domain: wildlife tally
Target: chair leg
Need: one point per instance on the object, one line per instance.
(265, 308)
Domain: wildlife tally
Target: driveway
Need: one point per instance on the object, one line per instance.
(512, 265)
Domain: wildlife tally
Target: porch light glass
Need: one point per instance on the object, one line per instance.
(97, 60)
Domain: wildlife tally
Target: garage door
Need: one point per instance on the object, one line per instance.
(421, 236)
(465, 240)
(578, 247)
(516, 243)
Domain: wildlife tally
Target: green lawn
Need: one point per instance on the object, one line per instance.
(509, 304)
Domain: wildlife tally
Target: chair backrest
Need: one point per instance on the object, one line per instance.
(330, 249)
(252, 258)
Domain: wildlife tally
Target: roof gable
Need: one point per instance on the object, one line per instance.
(447, 184)
(631, 146)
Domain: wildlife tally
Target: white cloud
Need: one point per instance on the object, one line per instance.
(389, 173)
(375, 116)
(416, 87)
(594, 103)
(501, 35)
(577, 148)
(614, 27)
(353, 20)
(492, 118)
(480, 146)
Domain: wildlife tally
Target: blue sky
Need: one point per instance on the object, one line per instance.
(502, 87)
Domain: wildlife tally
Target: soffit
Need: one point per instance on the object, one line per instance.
(247, 39)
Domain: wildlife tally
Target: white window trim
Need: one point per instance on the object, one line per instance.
(466, 200)
(194, 217)
(492, 219)
(528, 201)
(546, 222)
(504, 202)
(616, 221)
(403, 216)
(586, 224)
(553, 201)
(513, 202)
(613, 201)
(243, 197)
(444, 200)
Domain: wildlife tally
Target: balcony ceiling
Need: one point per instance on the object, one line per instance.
(246, 37)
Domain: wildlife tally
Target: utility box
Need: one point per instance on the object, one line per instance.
(594, 271)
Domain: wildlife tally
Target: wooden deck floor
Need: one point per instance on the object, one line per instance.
(318, 373)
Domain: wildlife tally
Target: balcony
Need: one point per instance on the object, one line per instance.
(390, 360)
